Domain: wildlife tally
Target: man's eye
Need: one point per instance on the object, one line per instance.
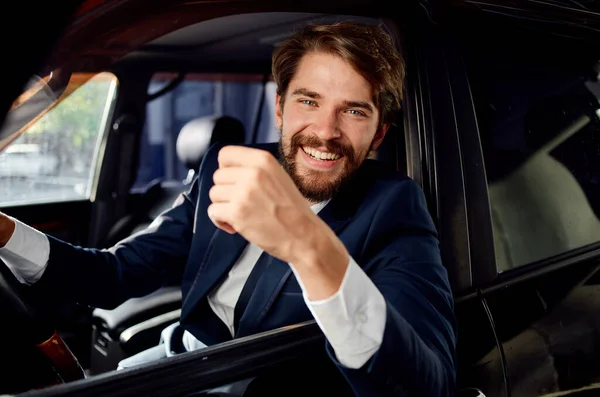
(356, 112)
(308, 102)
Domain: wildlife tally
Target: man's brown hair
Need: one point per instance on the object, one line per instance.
(369, 49)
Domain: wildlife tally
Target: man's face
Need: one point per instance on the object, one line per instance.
(328, 125)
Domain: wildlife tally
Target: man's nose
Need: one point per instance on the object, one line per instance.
(328, 126)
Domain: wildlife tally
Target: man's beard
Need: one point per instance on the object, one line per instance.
(317, 186)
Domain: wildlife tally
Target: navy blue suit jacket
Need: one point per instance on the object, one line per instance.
(381, 217)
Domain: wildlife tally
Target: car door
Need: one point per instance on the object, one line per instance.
(531, 160)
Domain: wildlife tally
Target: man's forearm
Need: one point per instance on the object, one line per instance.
(321, 262)
(7, 228)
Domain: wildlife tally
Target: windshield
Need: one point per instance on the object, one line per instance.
(53, 158)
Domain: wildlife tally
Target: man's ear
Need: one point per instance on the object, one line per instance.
(379, 135)
(278, 111)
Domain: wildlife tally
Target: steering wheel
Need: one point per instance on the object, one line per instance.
(35, 329)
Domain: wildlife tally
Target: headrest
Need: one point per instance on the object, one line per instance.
(199, 134)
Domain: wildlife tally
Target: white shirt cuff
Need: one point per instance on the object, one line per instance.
(26, 253)
(353, 319)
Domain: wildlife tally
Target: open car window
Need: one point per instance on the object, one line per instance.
(81, 115)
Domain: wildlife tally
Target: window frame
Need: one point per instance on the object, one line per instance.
(478, 205)
(194, 371)
(437, 119)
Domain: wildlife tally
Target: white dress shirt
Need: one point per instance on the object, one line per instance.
(353, 319)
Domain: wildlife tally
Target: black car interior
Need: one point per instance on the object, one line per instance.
(193, 141)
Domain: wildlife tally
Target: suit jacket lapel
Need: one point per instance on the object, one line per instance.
(263, 296)
(223, 251)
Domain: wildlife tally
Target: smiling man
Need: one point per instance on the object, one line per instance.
(272, 235)
(332, 124)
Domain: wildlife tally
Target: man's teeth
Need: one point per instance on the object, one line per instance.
(320, 155)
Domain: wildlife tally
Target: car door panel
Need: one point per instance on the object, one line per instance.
(538, 147)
